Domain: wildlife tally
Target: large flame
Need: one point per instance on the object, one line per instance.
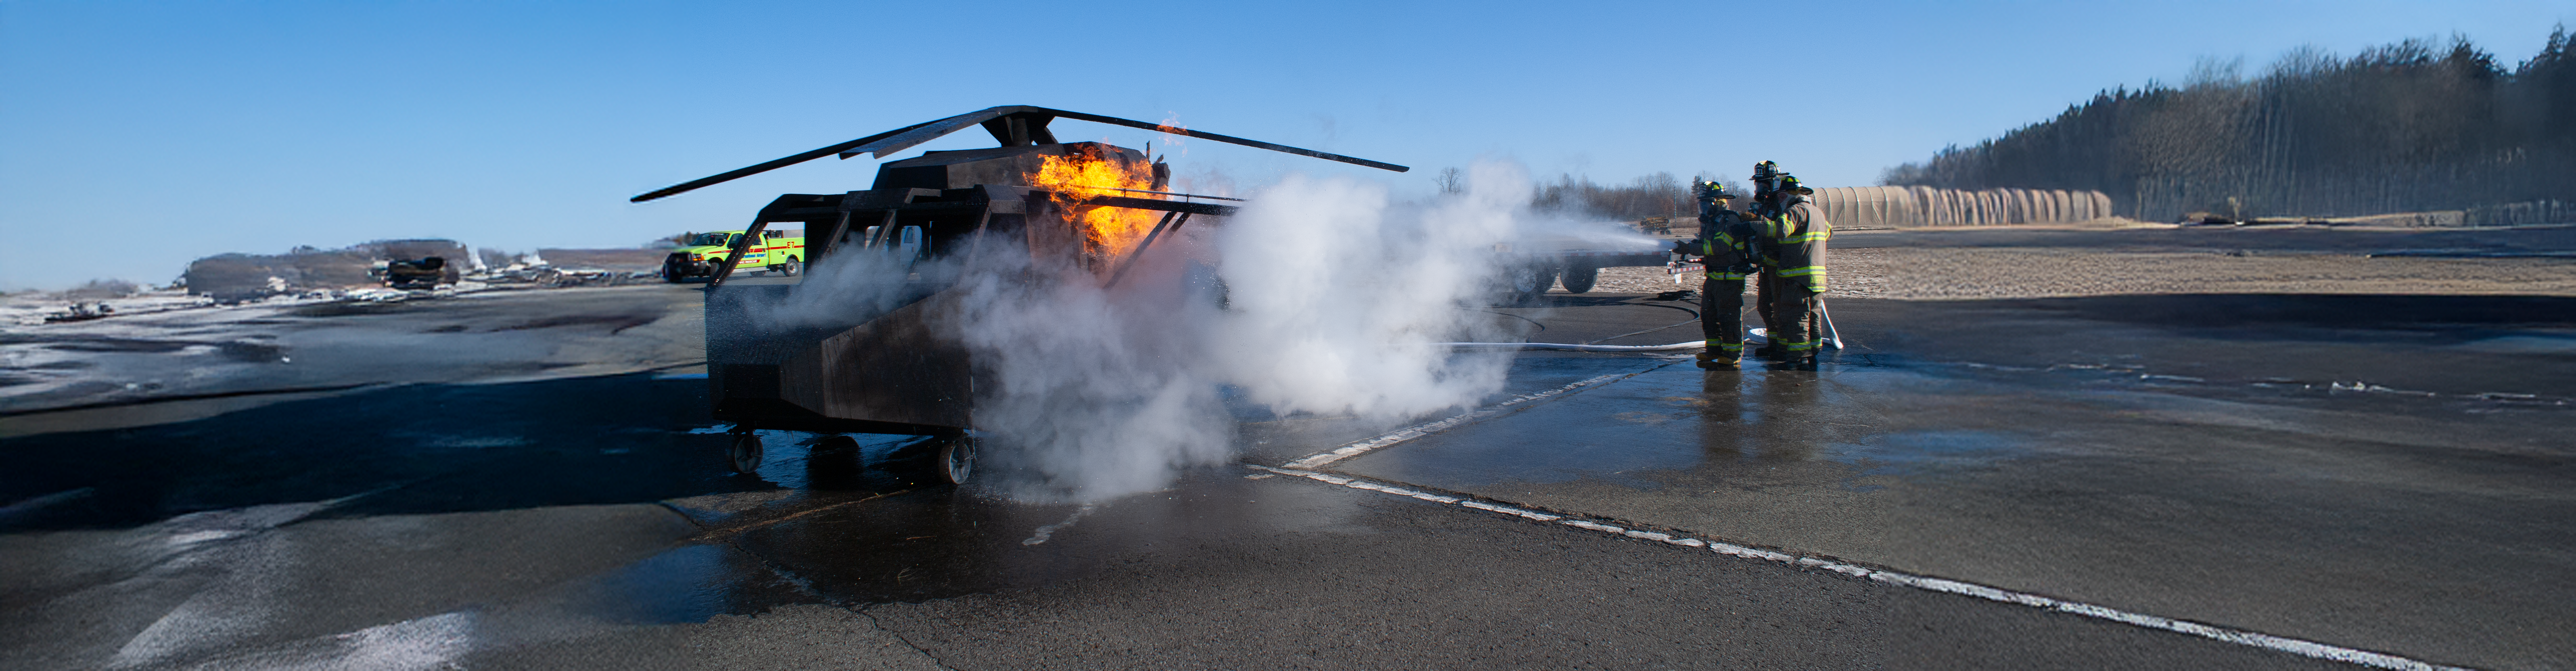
(1109, 232)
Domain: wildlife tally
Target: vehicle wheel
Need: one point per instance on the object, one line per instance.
(792, 267)
(1579, 278)
(671, 272)
(956, 459)
(744, 452)
(1531, 282)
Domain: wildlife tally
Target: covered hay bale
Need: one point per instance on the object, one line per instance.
(1894, 206)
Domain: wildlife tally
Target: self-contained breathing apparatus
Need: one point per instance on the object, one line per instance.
(1716, 218)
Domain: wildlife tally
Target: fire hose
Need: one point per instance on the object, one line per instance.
(1757, 336)
(1695, 344)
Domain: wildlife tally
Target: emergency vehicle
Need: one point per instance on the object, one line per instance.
(781, 252)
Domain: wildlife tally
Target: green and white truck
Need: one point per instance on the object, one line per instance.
(781, 252)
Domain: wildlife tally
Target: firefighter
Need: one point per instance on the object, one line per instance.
(1766, 182)
(1725, 248)
(1797, 235)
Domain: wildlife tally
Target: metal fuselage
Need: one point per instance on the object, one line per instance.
(893, 371)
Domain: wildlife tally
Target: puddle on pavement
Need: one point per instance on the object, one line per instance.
(939, 542)
(2140, 377)
(1670, 420)
(685, 584)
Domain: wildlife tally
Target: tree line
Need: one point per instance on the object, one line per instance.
(1655, 195)
(2409, 126)
(1660, 194)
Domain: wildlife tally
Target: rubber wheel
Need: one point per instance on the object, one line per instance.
(792, 267)
(744, 452)
(1579, 279)
(956, 460)
(671, 272)
(1529, 283)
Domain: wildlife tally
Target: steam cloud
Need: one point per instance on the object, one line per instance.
(1331, 289)
(1329, 282)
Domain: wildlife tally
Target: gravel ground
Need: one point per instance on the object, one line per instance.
(1995, 272)
(1857, 273)
(1982, 273)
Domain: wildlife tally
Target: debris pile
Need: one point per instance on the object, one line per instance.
(233, 278)
(398, 269)
(93, 301)
(411, 274)
(81, 312)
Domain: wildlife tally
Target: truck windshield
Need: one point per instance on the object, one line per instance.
(709, 239)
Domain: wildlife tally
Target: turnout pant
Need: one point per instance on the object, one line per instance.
(1799, 280)
(1721, 314)
(1800, 319)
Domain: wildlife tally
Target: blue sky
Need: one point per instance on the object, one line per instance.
(142, 135)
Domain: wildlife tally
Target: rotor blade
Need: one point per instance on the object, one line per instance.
(935, 129)
(907, 137)
(695, 184)
(1220, 138)
(929, 131)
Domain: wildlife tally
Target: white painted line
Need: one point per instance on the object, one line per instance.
(1604, 528)
(1319, 459)
(1435, 498)
(1480, 505)
(2294, 646)
(2304, 648)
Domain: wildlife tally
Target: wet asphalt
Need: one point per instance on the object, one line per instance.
(2382, 473)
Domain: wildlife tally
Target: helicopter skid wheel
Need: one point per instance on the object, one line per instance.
(956, 459)
(744, 452)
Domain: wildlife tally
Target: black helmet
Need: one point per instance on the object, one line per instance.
(1766, 177)
(1790, 183)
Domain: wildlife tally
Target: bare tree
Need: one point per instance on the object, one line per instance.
(1451, 180)
(1658, 194)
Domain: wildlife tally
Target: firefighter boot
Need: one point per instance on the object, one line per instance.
(1718, 359)
(1800, 358)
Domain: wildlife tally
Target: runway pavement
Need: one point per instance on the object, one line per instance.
(2369, 474)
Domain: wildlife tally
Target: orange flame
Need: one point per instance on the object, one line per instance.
(1108, 231)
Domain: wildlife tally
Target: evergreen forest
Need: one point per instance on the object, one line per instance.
(2405, 127)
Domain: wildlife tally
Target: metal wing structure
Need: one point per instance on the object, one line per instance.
(896, 367)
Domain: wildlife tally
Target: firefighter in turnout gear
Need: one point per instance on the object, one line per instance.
(1797, 237)
(1766, 181)
(1725, 249)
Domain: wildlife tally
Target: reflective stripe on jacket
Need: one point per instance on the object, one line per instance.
(1721, 245)
(1800, 234)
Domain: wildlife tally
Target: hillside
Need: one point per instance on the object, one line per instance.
(2402, 127)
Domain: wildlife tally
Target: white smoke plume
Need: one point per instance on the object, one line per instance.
(1098, 393)
(1330, 291)
(851, 282)
(1330, 283)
